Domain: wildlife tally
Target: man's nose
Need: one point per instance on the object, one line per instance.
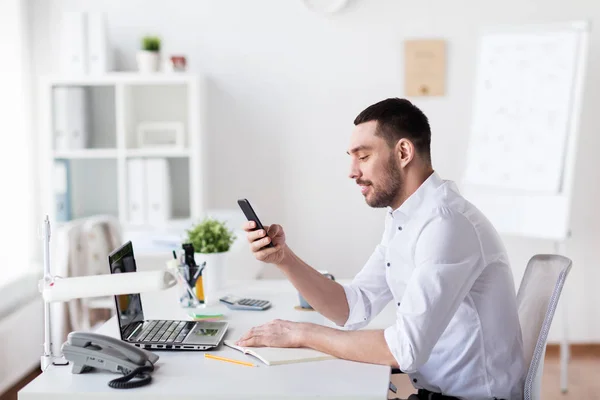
(354, 172)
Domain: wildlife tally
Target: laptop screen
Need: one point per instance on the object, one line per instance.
(129, 306)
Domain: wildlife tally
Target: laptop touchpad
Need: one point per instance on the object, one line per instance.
(205, 333)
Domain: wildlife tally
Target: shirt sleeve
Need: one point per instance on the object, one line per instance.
(368, 293)
(448, 260)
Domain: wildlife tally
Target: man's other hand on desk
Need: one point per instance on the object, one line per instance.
(277, 333)
(368, 346)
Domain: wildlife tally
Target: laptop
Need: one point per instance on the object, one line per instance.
(157, 334)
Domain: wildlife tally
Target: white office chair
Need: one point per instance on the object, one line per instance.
(100, 235)
(537, 298)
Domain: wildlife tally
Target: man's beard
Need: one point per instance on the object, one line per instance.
(385, 193)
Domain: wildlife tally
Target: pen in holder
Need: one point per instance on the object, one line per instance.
(188, 296)
(191, 285)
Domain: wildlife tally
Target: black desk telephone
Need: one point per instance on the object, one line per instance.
(88, 350)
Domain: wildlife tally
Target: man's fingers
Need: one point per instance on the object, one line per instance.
(246, 336)
(263, 254)
(251, 342)
(257, 245)
(249, 225)
(254, 235)
(251, 333)
(255, 334)
(273, 230)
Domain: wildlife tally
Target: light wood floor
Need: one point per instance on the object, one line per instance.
(584, 379)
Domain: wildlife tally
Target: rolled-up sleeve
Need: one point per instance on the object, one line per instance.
(368, 293)
(448, 260)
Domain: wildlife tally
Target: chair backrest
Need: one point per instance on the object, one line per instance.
(537, 299)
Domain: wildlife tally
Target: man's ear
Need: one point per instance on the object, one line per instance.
(405, 151)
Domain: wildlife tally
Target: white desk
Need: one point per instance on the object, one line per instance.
(188, 375)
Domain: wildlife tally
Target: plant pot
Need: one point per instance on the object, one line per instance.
(213, 275)
(148, 61)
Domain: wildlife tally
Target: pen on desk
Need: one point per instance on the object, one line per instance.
(189, 288)
(186, 270)
(174, 268)
(229, 360)
(199, 271)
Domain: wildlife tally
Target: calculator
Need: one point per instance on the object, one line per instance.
(243, 303)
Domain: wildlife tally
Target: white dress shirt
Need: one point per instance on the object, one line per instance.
(443, 264)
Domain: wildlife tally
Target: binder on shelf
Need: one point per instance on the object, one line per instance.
(84, 44)
(99, 53)
(62, 194)
(70, 114)
(73, 55)
(158, 190)
(136, 186)
(60, 119)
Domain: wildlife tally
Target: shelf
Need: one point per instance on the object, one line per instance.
(155, 103)
(100, 149)
(85, 180)
(132, 78)
(83, 118)
(167, 153)
(171, 225)
(86, 154)
(95, 154)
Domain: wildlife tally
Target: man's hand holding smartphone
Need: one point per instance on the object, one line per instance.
(259, 240)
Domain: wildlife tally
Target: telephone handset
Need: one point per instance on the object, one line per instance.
(88, 350)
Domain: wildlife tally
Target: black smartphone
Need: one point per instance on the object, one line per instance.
(251, 215)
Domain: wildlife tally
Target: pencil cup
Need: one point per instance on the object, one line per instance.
(213, 275)
(191, 288)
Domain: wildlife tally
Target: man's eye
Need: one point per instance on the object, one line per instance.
(363, 158)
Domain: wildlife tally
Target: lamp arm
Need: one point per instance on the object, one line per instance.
(56, 289)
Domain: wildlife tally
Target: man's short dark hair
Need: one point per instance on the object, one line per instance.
(399, 118)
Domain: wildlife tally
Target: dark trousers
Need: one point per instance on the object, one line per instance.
(424, 394)
(427, 395)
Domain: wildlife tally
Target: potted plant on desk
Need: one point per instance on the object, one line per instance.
(211, 240)
(148, 58)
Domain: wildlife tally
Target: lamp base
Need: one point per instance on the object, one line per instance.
(46, 361)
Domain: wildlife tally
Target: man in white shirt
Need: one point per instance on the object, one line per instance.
(440, 261)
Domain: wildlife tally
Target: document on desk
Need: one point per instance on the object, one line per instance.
(279, 356)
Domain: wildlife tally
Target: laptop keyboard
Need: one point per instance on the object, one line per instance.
(165, 331)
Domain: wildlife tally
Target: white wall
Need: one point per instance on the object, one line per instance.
(16, 169)
(285, 85)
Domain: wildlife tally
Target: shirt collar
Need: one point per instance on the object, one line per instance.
(417, 199)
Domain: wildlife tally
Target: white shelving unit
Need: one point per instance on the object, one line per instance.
(85, 154)
(117, 103)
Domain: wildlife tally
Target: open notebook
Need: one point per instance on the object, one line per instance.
(278, 356)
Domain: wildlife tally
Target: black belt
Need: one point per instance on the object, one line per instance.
(425, 394)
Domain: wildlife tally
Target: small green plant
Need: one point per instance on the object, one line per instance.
(210, 236)
(151, 43)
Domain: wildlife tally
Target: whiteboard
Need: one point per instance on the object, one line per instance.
(524, 126)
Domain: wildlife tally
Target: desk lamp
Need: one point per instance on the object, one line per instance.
(57, 289)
